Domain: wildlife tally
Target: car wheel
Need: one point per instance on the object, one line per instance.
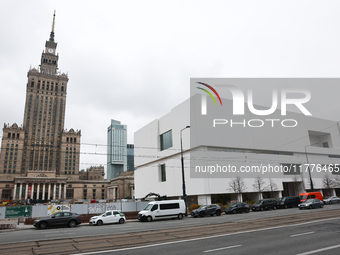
(234, 212)
(99, 222)
(180, 216)
(321, 206)
(286, 206)
(149, 219)
(201, 214)
(43, 225)
(310, 207)
(195, 216)
(274, 208)
(72, 224)
(247, 210)
(218, 213)
(300, 208)
(261, 209)
(121, 221)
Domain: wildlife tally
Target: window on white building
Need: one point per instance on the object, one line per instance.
(162, 173)
(166, 140)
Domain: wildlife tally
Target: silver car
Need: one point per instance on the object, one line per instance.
(331, 200)
(310, 204)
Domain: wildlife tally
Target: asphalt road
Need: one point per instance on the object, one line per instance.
(136, 226)
(281, 232)
(312, 238)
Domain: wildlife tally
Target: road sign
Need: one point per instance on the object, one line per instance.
(16, 211)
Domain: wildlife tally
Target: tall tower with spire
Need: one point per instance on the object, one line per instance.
(42, 143)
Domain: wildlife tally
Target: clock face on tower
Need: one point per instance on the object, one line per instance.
(50, 50)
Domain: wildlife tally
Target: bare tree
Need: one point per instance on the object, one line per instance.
(337, 181)
(237, 185)
(259, 185)
(298, 185)
(272, 185)
(328, 181)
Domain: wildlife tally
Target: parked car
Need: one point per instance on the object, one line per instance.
(163, 210)
(59, 219)
(264, 204)
(237, 208)
(310, 195)
(310, 204)
(112, 216)
(207, 210)
(285, 202)
(331, 200)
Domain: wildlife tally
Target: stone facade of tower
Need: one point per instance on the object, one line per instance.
(41, 159)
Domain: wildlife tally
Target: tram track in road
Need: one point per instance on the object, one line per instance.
(73, 245)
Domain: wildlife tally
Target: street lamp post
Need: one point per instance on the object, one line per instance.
(183, 179)
(310, 175)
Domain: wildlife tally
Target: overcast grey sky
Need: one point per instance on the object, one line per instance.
(132, 60)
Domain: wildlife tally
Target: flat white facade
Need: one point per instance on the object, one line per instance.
(237, 147)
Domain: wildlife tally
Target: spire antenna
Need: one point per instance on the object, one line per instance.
(52, 32)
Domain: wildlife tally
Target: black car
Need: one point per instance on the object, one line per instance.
(237, 208)
(264, 204)
(310, 204)
(285, 202)
(207, 210)
(59, 219)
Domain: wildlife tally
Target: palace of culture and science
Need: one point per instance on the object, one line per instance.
(40, 159)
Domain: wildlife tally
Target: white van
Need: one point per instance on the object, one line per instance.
(162, 209)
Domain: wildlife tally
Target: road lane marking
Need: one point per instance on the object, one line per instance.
(320, 250)
(122, 228)
(224, 248)
(307, 233)
(60, 234)
(207, 237)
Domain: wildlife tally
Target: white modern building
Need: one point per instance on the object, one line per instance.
(116, 149)
(272, 153)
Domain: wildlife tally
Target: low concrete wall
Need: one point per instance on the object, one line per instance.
(2, 212)
(8, 224)
(79, 208)
(39, 211)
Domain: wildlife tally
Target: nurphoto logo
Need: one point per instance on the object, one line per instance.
(239, 102)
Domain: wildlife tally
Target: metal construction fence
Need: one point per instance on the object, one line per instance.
(36, 211)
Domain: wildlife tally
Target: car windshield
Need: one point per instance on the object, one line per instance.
(310, 201)
(303, 197)
(281, 199)
(233, 203)
(258, 202)
(148, 207)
